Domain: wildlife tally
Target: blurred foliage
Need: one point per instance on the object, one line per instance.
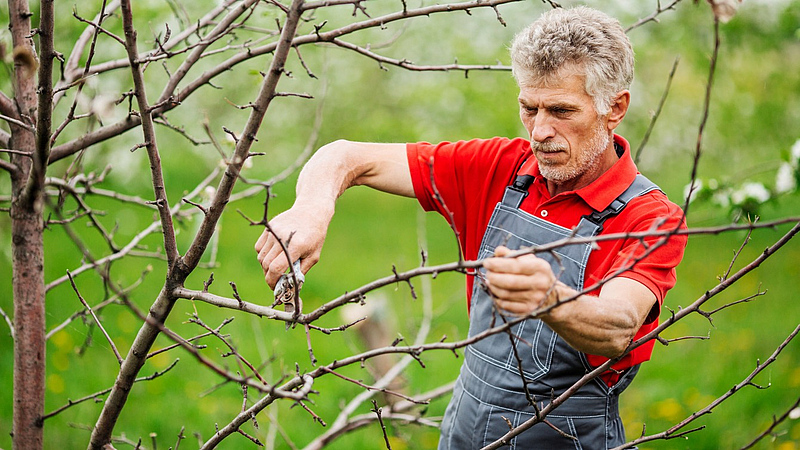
(753, 124)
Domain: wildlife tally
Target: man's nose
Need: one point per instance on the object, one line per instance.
(542, 128)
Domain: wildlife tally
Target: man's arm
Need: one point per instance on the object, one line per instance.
(333, 169)
(602, 325)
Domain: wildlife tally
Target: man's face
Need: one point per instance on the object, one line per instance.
(567, 136)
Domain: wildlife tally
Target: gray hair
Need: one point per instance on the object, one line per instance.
(578, 38)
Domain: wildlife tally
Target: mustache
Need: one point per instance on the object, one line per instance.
(547, 146)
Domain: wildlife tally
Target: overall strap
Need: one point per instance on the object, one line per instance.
(592, 224)
(517, 191)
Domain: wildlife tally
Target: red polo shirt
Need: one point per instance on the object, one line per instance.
(470, 177)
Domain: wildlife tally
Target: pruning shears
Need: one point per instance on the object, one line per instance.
(285, 289)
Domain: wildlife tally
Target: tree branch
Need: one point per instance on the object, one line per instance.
(775, 422)
(71, 403)
(747, 381)
(134, 242)
(218, 32)
(80, 45)
(88, 35)
(36, 182)
(70, 74)
(7, 105)
(69, 148)
(8, 166)
(408, 65)
(242, 151)
(5, 139)
(82, 313)
(18, 123)
(149, 135)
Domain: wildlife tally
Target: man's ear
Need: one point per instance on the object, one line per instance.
(619, 108)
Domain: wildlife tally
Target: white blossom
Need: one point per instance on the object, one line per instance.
(722, 198)
(750, 190)
(785, 180)
(724, 9)
(208, 193)
(690, 190)
(795, 155)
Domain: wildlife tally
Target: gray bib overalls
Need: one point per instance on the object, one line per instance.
(489, 395)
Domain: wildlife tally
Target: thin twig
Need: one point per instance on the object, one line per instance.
(18, 123)
(96, 319)
(372, 388)
(736, 254)
(16, 152)
(377, 412)
(749, 298)
(230, 346)
(71, 403)
(706, 110)
(98, 307)
(408, 65)
(658, 110)
(9, 322)
(775, 422)
(654, 16)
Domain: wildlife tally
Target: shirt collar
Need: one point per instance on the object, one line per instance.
(602, 191)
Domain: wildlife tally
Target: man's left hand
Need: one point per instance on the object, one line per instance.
(520, 285)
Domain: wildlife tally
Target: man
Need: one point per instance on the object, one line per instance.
(572, 177)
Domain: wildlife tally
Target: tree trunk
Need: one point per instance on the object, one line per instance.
(27, 223)
(29, 326)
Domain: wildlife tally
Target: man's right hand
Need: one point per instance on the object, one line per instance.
(302, 231)
(334, 168)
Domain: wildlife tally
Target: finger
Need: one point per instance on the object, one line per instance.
(265, 244)
(307, 262)
(514, 308)
(262, 240)
(501, 251)
(266, 253)
(520, 282)
(498, 262)
(525, 265)
(276, 269)
(534, 298)
(273, 262)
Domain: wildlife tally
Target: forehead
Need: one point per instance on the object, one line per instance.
(569, 88)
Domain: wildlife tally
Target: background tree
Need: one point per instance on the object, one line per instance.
(97, 98)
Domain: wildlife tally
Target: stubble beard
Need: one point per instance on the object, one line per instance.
(584, 160)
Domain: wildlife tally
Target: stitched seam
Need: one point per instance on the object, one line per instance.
(455, 414)
(488, 420)
(499, 364)
(574, 432)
